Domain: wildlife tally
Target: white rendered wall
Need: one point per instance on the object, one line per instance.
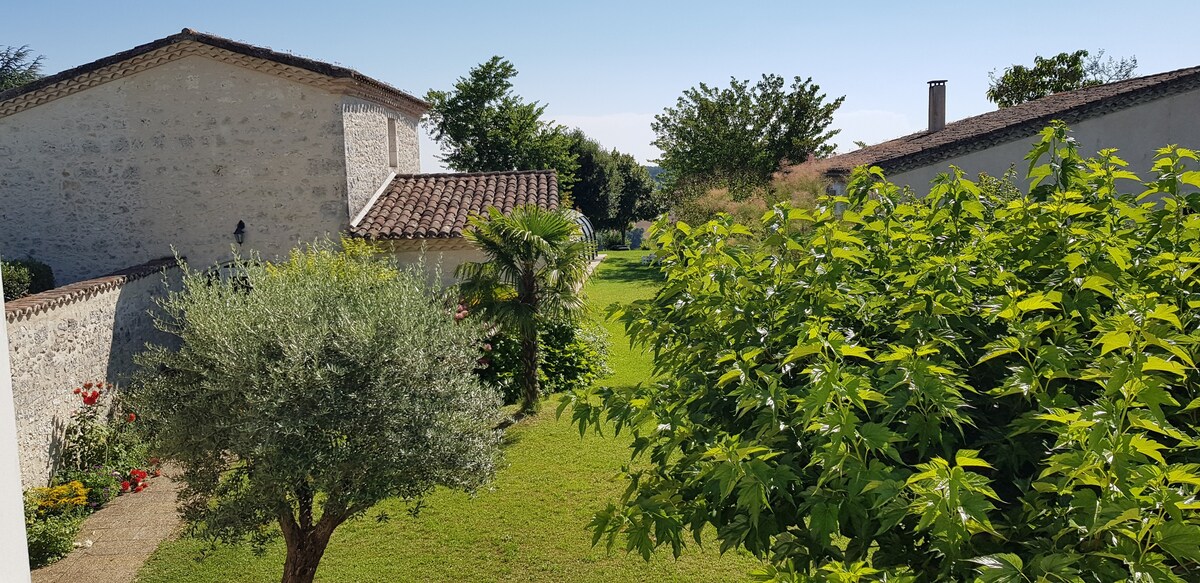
(14, 554)
(1137, 132)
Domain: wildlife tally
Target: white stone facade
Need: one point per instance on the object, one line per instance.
(1137, 132)
(174, 155)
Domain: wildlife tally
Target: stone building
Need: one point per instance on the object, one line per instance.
(171, 145)
(1137, 116)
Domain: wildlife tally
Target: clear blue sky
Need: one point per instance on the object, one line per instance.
(609, 67)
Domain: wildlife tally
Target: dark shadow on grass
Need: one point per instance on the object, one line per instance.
(630, 271)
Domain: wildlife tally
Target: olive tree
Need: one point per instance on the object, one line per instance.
(303, 392)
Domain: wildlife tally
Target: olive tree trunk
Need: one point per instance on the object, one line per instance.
(306, 542)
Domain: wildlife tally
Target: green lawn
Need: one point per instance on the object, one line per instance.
(529, 526)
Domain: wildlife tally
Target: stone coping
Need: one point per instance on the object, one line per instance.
(24, 308)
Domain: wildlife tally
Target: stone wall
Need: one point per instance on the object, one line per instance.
(61, 338)
(173, 156)
(370, 151)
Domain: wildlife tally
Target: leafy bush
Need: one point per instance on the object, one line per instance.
(102, 484)
(572, 356)
(25, 276)
(946, 388)
(52, 519)
(608, 239)
(50, 538)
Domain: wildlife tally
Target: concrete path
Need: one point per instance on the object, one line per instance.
(124, 534)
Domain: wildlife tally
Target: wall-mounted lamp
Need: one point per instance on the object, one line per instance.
(239, 234)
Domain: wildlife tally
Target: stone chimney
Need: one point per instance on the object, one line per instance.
(937, 105)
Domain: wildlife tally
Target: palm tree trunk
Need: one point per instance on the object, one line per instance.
(529, 373)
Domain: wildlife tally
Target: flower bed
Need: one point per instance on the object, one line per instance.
(103, 456)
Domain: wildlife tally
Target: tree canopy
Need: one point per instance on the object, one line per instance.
(18, 66)
(613, 189)
(484, 126)
(306, 391)
(1062, 72)
(959, 386)
(736, 137)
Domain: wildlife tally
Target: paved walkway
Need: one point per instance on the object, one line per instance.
(124, 533)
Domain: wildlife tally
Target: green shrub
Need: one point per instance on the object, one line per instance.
(25, 276)
(572, 357)
(103, 483)
(49, 536)
(16, 280)
(955, 387)
(608, 239)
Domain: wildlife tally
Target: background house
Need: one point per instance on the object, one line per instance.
(108, 167)
(170, 144)
(1137, 116)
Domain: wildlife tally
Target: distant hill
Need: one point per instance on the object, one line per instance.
(654, 172)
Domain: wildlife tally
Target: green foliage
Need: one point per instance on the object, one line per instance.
(572, 356)
(536, 263)
(308, 390)
(1062, 72)
(25, 276)
(736, 137)
(612, 189)
(950, 387)
(17, 68)
(609, 239)
(103, 484)
(52, 518)
(101, 434)
(50, 538)
(483, 126)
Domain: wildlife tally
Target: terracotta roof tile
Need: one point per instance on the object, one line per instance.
(437, 206)
(1004, 125)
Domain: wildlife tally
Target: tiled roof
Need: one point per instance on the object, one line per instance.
(437, 206)
(1011, 123)
(319, 67)
(27, 306)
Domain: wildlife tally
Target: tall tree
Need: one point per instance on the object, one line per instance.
(598, 183)
(305, 393)
(1062, 72)
(736, 137)
(18, 66)
(536, 264)
(484, 126)
(634, 201)
(612, 190)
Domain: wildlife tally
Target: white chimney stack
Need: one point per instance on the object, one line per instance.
(937, 105)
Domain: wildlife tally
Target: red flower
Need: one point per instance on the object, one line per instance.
(87, 385)
(132, 418)
(157, 472)
(138, 475)
(91, 398)
(125, 486)
(139, 488)
(77, 390)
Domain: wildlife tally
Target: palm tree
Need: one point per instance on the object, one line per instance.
(536, 263)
